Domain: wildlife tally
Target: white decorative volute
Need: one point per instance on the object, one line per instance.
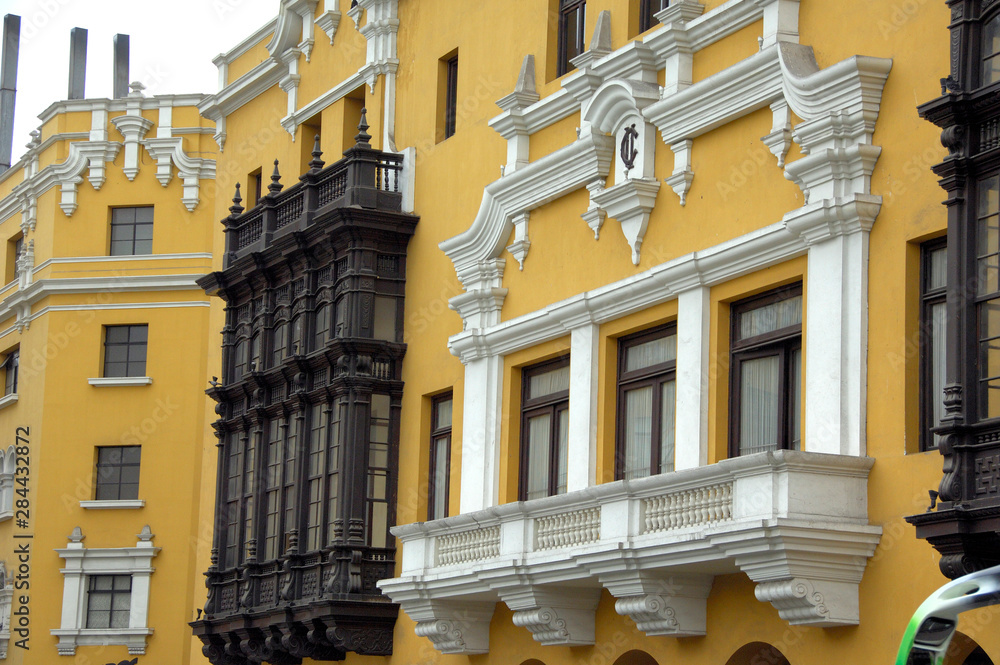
(294, 28)
(554, 616)
(670, 605)
(458, 628)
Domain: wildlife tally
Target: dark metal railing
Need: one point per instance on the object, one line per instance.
(365, 177)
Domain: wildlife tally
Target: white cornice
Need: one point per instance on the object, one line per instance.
(119, 259)
(291, 121)
(253, 39)
(116, 105)
(120, 381)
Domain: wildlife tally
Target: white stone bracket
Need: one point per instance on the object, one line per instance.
(680, 180)
(83, 155)
(519, 248)
(671, 606)
(555, 617)
(630, 202)
(595, 215)
(779, 141)
(454, 628)
(328, 22)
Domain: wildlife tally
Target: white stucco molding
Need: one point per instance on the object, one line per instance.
(685, 30)
(82, 562)
(133, 127)
(474, 252)
(796, 523)
(246, 88)
(191, 170)
(329, 19)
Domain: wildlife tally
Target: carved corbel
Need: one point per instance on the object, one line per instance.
(554, 617)
(674, 606)
(680, 179)
(454, 628)
(780, 139)
(595, 215)
(521, 244)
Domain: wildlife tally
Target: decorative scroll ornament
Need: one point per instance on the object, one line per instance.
(627, 150)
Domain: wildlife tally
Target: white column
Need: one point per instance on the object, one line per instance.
(581, 471)
(836, 345)
(691, 426)
(481, 434)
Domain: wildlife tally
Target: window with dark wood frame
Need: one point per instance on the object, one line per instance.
(544, 429)
(933, 289)
(765, 380)
(647, 12)
(646, 403)
(440, 457)
(125, 350)
(572, 39)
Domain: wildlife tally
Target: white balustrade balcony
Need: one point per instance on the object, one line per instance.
(795, 522)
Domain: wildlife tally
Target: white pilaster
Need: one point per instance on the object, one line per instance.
(691, 427)
(481, 434)
(835, 343)
(581, 468)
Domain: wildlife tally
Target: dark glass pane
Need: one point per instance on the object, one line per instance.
(759, 404)
(130, 454)
(116, 334)
(144, 215)
(138, 333)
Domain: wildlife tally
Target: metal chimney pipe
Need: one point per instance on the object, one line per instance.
(8, 86)
(121, 66)
(77, 62)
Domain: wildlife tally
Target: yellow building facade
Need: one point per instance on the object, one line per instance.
(676, 181)
(669, 328)
(107, 220)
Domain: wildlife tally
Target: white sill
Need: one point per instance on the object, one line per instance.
(116, 381)
(6, 515)
(7, 400)
(70, 639)
(106, 504)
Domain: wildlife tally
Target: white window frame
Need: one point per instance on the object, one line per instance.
(80, 564)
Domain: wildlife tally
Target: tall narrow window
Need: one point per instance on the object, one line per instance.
(10, 367)
(766, 373)
(437, 499)
(646, 397)
(544, 429)
(14, 248)
(378, 471)
(933, 286)
(988, 296)
(279, 343)
(125, 350)
(447, 95)
(451, 96)
(131, 231)
(315, 467)
(272, 489)
(572, 14)
(991, 51)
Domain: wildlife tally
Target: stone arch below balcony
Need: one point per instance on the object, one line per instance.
(755, 653)
(635, 657)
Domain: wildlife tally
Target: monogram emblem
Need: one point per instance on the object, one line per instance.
(628, 151)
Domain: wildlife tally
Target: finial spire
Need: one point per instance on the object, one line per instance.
(275, 185)
(316, 163)
(363, 137)
(236, 208)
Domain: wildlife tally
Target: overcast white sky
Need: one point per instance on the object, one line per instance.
(172, 43)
